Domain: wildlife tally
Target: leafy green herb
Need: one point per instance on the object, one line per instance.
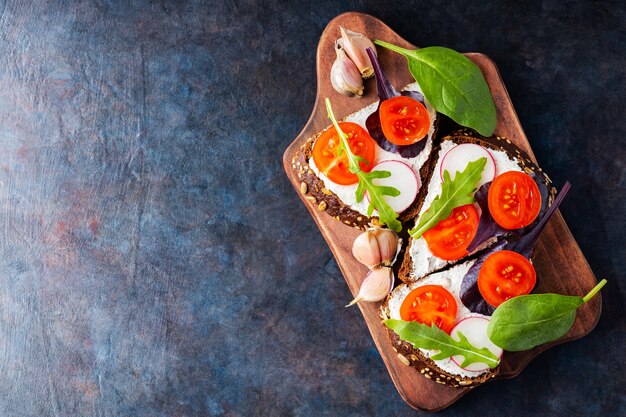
(452, 84)
(376, 192)
(454, 193)
(433, 338)
(524, 322)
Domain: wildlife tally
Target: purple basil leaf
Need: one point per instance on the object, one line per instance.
(387, 91)
(469, 293)
(372, 123)
(487, 227)
(525, 243)
(383, 86)
(415, 95)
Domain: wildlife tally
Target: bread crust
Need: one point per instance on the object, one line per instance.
(413, 357)
(323, 199)
(493, 142)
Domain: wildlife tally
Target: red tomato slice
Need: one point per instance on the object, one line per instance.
(336, 167)
(450, 238)
(514, 200)
(430, 304)
(505, 274)
(404, 120)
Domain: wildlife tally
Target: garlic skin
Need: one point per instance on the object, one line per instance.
(376, 247)
(377, 285)
(344, 75)
(365, 249)
(355, 45)
(388, 246)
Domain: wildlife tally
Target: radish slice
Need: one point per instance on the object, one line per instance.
(402, 178)
(475, 329)
(457, 158)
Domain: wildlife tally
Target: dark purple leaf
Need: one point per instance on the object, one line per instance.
(376, 132)
(383, 86)
(525, 243)
(487, 227)
(387, 91)
(469, 293)
(415, 95)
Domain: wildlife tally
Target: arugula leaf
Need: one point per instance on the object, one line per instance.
(366, 181)
(454, 193)
(452, 84)
(433, 338)
(526, 321)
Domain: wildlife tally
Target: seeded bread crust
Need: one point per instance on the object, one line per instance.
(316, 193)
(494, 142)
(410, 356)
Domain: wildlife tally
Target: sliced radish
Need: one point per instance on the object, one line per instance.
(457, 158)
(402, 178)
(475, 329)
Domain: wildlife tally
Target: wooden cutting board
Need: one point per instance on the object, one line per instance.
(561, 266)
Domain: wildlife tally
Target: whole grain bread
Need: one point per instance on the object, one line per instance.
(494, 142)
(413, 357)
(317, 194)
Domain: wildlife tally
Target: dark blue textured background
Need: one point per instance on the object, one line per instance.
(154, 259)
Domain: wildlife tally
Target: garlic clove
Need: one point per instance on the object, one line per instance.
(344, 75)
(387, 245)
(376, 286)
(376, 247)
(355, 45)
(366, 249)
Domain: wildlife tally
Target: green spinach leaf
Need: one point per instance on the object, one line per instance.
(524, 322)
(433, 338)
(454, 193)
(452, 84)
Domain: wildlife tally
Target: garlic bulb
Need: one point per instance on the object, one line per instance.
(355, 45)
(344, 75)
(377, 284)
(376, 247)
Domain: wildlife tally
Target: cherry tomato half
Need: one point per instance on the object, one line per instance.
(336, 167)
(450, 238)
(404, 120)
(430, 304)
(514, 200)
(505, 274)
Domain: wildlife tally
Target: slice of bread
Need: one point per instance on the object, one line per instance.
(444, 371)
(319, 194)
(418, 261)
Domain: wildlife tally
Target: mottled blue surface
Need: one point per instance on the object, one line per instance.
(154, 259)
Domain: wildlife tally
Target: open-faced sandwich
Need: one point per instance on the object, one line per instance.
(395, 136)
(474, 206)
(454, 238)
